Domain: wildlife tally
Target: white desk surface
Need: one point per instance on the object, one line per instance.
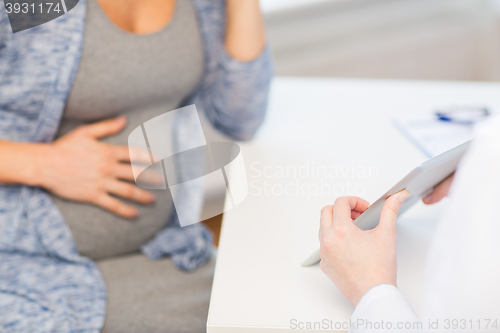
(343, 125)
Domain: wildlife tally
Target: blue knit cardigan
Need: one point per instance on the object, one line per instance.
(45, 285)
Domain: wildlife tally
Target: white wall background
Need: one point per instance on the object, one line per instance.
(404, 39)
(400, 39)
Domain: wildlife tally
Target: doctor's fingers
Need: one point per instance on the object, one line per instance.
(345, 206)
(390, 210)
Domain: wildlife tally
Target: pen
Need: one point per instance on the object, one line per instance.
(463, 115)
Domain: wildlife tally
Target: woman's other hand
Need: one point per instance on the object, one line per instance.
(440, 191)
(245, 34)
(354, 259)
(79, 167)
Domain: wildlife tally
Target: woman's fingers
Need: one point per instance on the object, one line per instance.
(129, 191)
(116, 206)
(104, 128)
(390, 210)
(124, 190)
(440, 191)
(130, 154)
(126, 172)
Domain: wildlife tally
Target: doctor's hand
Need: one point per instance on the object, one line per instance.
(354, 259)
(440, 191)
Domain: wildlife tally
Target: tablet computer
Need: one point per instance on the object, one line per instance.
(419, 182)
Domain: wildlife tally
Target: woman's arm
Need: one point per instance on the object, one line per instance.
(79, 167)
(20, 162)
(245, 34)
(235, 90)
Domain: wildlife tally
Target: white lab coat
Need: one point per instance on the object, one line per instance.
(462, 278)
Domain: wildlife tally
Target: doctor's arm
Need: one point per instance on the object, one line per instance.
(362, 264)
(461, 279)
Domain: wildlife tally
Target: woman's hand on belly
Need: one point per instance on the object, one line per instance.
(79, 167)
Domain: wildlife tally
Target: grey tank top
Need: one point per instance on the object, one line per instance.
(140, 76)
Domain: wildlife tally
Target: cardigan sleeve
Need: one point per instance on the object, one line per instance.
(235, 95)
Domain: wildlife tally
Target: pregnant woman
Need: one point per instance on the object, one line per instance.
(76, 233)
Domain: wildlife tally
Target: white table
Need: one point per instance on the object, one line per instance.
(343, 125)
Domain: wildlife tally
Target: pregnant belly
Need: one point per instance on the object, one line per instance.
(100, 234)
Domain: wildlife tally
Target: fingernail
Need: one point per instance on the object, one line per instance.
(403, 196)
(134, 213)
(427, 199)
(152, 198)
